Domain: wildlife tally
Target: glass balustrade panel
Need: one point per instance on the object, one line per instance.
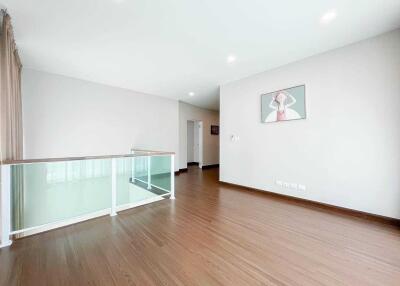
(49, 192)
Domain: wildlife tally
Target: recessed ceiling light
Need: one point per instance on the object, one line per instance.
(328, 17)
(231, 59)
(191, 93)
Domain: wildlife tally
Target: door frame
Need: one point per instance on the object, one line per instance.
(198, 125)
(200, 149)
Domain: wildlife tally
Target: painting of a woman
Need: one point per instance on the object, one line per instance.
(282, 105)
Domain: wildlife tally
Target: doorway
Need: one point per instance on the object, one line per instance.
(195, 143)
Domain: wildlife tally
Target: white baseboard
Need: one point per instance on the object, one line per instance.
(55, 225)
(5, 244)
(143, 202)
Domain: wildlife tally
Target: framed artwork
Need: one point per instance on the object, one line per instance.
(283, 105)
(214, 130)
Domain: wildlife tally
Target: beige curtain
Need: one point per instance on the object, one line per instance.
(11, 113)
(10, 94)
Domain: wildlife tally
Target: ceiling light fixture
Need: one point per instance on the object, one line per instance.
(231, 59)
(191, 93)
(328, 17)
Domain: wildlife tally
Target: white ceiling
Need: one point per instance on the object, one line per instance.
(172, 47)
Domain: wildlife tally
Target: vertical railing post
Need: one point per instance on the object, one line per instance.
(133, 169)
(172, 197)
(5, 210)
(149, 172)
(113, 187)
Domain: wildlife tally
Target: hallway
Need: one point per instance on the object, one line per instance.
(212, 234)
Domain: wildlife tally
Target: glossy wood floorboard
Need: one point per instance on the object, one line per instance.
(212, 234)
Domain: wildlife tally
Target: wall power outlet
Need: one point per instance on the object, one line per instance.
(293, 186)
(302, 187)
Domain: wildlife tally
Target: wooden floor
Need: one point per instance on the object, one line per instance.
(212, 234)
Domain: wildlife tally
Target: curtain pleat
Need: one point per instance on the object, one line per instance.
(11, 141)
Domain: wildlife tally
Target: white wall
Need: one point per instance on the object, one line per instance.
(190, 141)
(210, 142)
(69, 117)
(347, 151)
